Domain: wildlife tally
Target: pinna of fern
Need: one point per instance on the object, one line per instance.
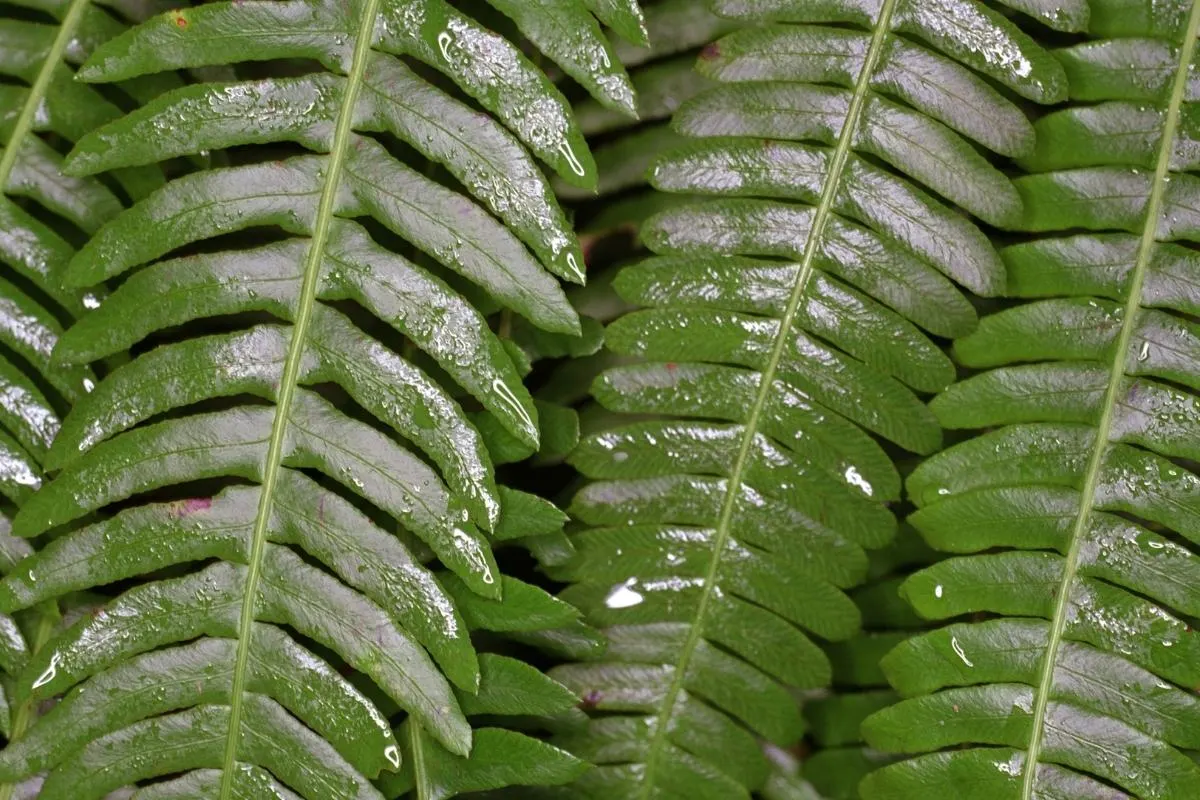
(1074, 519)
(664, 77)
(44, 214)
(786, 325)
(356, 503)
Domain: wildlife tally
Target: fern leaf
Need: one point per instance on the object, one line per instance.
(781, 329)
(1074, 521)
(44, 214)
(663, 77)
(327, 526)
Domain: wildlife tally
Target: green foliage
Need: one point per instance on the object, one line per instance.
(44, 215)
(287, 481)
(1074, 515)
(284, 354)
(784, 331)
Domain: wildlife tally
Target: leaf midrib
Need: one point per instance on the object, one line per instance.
(37, 91)
(289, 380)
(1087, 496)
(821, 217)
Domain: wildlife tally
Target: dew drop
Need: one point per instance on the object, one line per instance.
(958, 651)
(623, 596)
(50, 674)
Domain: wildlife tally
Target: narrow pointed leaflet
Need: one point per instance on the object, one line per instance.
(1075, 517)
(44, 214)
(284, 483)
(785, 323)
(287, 387)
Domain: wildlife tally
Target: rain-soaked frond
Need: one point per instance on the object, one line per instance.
(785, 333)
(299, 483)
(1074, 516)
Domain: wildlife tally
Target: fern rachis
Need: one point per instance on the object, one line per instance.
(252, 406)
(1073, 686)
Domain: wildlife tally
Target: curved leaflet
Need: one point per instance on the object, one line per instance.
(1081, 678)
(312, 457)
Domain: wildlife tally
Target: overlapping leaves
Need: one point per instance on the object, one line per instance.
(786, 325)
(44, 214)
(300, 486)
(839, 759)
(1076, 513)
(664, 76)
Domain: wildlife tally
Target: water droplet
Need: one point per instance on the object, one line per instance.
(510, 399)
(445, 39)
(958, 651)
(853, 477)
(50, 674)
(623, 596)
(572, 159)
(573, 265)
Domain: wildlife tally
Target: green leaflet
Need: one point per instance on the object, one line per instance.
(300, 488)
(841, 759)
(1075, 516)
(44, 214)
(663, 78)
(781, 332)
(571, 37)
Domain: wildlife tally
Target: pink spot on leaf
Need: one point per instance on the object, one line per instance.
(185, 508)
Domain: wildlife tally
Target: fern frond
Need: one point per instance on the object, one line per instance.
(1076, 516)
(315, 461)
(664, 77)
(782, 333)
(44, 215)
